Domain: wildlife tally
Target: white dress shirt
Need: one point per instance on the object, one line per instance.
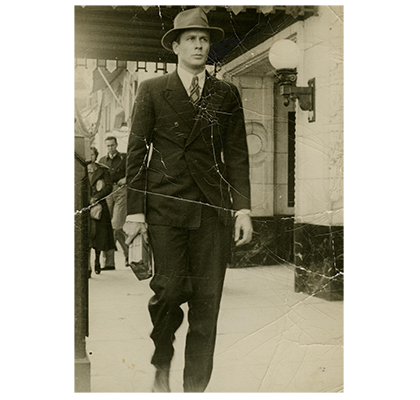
(186, 79)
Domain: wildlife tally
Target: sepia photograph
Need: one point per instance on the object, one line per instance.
(209, 199)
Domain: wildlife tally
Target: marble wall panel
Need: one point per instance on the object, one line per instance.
(319, 260)
(272, 243)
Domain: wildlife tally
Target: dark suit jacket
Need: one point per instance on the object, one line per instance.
(197, 157)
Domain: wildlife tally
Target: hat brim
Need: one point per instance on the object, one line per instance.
(216, 35)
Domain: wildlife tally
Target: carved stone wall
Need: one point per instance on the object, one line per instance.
(319, 223)
(320, 145)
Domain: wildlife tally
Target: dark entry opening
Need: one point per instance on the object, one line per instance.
(291, 142)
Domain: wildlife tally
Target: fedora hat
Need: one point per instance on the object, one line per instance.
(194, 18)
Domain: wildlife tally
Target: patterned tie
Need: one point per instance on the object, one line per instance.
(194, 91)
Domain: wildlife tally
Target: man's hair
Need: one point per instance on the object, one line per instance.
(178, 37)
(112, 138)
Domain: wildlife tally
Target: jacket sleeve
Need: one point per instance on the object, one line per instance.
(143, 122)
(236, 155)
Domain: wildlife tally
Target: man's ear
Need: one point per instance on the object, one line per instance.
(175, 47)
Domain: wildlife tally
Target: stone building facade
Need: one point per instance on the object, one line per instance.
(297, 188)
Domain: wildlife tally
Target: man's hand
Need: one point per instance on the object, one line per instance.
(121, 182)
(132, 229)
(243, 225)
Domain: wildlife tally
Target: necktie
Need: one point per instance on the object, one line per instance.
(194, 91)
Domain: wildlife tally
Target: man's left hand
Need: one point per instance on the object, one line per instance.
(243, 229)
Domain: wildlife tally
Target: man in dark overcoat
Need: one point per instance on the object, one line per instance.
(188, 194)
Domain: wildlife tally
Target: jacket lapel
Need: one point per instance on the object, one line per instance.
(178, 99)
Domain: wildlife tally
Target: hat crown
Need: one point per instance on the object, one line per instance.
(195, 17)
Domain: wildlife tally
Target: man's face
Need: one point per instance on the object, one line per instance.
(111, 146)
(192, 49)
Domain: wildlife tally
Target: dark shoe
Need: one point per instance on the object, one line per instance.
(127, 263)
(109, 268)
(161, 383)
(97, 269)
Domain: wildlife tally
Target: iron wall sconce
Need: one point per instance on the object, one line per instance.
(284, 57)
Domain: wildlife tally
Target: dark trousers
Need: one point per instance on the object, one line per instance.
(190, 266)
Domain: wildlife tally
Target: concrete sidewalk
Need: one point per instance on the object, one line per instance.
(270, 339)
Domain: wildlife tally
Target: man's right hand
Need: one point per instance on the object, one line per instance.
(132, 229)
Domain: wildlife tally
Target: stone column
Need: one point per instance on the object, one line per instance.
(319, 224)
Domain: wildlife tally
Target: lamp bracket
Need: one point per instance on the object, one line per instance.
(305, 95)
(287, 78)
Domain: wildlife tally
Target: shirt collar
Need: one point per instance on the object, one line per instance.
(115, 155)
(186, 78)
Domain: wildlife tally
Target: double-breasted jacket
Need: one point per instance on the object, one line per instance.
(199, 155)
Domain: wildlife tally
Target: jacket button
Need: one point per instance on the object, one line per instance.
(176, 124)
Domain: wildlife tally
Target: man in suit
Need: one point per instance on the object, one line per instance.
(116, 201)
(188, 194)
